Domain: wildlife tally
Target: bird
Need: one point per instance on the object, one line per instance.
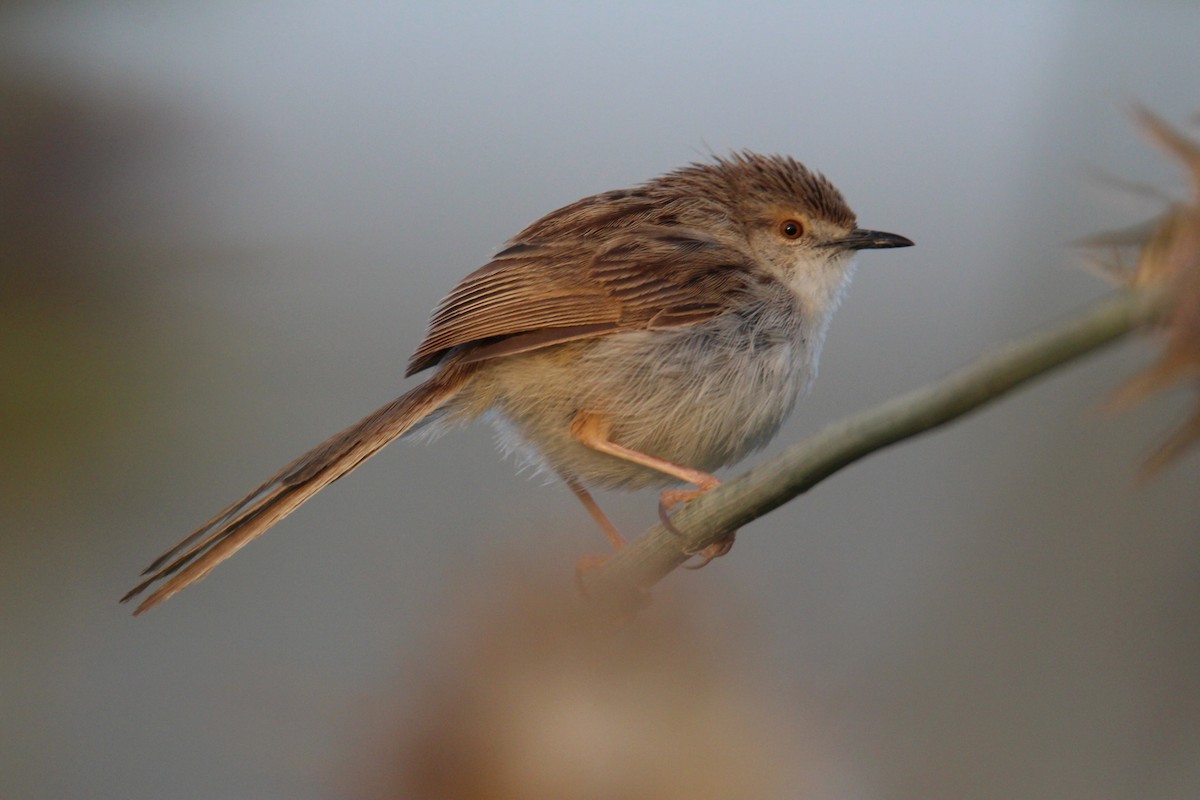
(641, 337)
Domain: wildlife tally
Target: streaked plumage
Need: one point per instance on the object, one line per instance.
(684, 317)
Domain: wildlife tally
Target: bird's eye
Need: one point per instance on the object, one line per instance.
(791, 229)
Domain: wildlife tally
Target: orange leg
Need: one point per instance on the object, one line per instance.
(585, 497)
(593, 431)
(587, 564)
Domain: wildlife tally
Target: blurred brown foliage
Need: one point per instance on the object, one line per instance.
(1168, 256)
(537, 696)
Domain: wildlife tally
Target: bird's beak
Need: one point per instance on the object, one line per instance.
(863, 239)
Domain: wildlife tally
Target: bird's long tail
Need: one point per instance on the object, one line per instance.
(286, 490)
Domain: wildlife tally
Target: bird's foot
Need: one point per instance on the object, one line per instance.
(673, 497)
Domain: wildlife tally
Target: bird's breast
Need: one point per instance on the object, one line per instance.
(702, 396)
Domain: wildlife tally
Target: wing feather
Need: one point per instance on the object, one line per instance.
(535, 294)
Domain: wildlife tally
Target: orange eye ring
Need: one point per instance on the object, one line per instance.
(791, 229)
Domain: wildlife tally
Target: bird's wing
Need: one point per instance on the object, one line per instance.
(537, 293)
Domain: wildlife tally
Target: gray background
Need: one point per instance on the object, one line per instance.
(228, 222)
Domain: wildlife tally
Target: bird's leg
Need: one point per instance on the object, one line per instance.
(586, 564)
(585, 497)
(593, 431)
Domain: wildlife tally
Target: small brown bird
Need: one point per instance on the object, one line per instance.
(635, 338)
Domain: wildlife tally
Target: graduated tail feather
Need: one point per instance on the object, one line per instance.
(286, 490)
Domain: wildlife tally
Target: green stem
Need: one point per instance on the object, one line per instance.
(768, 486)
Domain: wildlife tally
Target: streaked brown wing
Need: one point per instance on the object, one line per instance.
(535, 294)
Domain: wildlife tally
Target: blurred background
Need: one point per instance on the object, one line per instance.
(223, 225)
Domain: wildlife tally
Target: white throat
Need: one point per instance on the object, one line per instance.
(819, 288)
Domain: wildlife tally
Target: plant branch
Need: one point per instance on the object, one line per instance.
(752, 494)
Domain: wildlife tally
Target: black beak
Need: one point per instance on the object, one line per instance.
(863, 239)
